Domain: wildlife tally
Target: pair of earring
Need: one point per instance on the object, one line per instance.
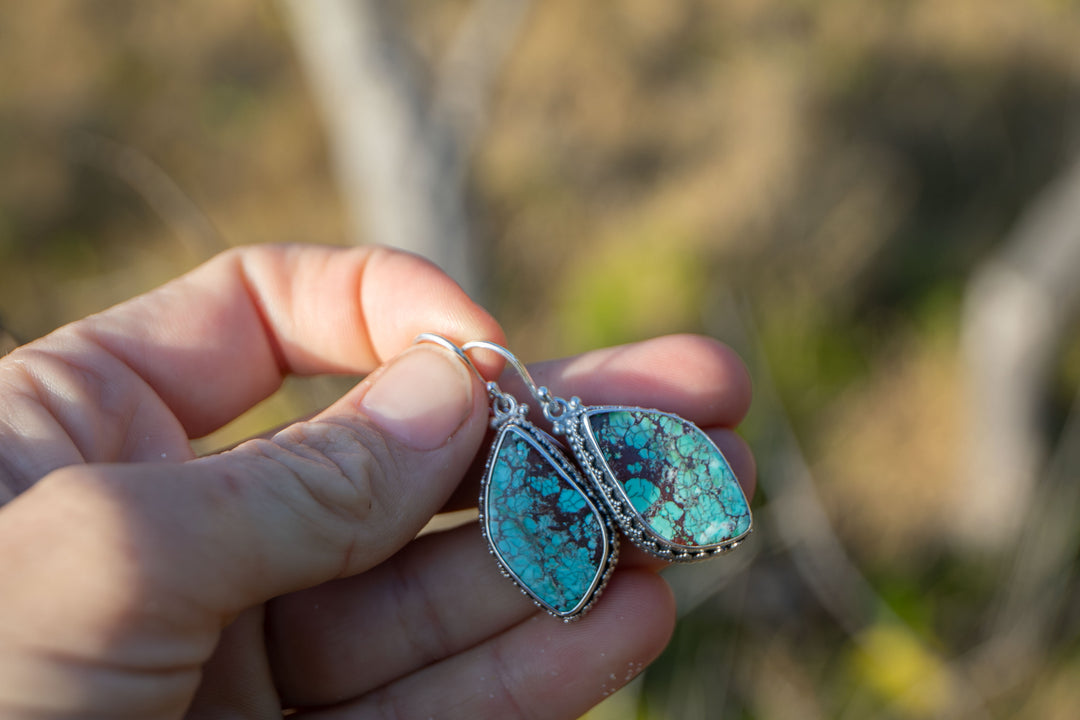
(655, 475)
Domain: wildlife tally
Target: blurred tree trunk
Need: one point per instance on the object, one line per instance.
(400, 149)
(1020, 304)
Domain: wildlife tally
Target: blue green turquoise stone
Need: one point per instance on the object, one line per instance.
(544, 530)
(672, 475)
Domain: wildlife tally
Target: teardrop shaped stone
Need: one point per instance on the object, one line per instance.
(676, 480)
(544, 530)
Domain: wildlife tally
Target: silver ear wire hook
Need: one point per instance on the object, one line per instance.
(449, 345)
(554, 408)
(508, 356)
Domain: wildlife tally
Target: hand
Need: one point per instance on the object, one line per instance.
(139, 581)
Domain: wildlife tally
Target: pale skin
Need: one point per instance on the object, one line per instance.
(139, 581)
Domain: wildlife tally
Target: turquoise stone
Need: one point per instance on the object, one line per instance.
(547, 534)
(676, 480)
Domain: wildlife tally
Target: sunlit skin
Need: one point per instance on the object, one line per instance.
(142, 582)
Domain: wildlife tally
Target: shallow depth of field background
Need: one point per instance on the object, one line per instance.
(824, 185)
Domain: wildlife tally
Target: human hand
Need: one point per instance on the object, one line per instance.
(138, 581)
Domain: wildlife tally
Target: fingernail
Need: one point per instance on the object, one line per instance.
(421, 398)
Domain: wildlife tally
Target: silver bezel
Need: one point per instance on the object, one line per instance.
(548, 447)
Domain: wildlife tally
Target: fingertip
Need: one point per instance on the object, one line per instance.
(435, 303)
(421, 398)
(643, 599)
(695, 376)
(713, 363)
(739, 456)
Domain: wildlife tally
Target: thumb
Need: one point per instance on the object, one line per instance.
(338, 494)
(96, 555)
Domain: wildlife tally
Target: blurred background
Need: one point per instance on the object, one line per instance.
(877, 204)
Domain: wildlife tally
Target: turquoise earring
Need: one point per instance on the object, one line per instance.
(668, 486)
(542, 523)
(655, 474)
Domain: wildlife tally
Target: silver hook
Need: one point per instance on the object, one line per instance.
(449, 345)
(509, 357)
(555, 409)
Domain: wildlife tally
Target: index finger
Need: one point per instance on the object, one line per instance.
(214, 342)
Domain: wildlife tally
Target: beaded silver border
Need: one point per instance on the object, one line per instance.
(514, 422)
(573, 423)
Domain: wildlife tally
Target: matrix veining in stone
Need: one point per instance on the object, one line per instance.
(545, 531)
(672, 475)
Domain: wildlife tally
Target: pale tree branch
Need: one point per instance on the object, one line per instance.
(470, 68)
(1019, 305)
(400, 150)
(396, 163)
(1035, 589)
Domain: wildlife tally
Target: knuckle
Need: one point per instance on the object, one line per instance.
(69, 385)
(429, 639)
(505, 688)
(339, 468)
(389, 705)
(84, 516)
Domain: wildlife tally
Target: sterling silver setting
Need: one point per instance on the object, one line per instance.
(509, 416)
